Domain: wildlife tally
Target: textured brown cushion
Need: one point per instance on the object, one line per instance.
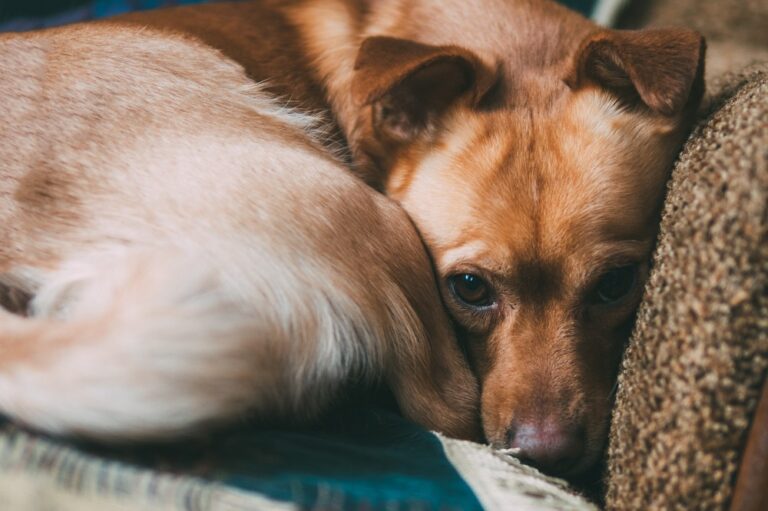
(693, 371)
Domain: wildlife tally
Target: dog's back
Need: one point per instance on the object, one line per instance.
(193, 252)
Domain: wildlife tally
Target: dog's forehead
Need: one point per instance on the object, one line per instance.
(555, 183)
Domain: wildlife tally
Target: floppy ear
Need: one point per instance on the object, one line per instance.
(660, 69)
(409, 85)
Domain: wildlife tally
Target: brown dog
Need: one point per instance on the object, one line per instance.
(530, 147)
(192, 254)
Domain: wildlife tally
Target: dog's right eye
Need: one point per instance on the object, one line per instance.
(615, 285)
(471, 290)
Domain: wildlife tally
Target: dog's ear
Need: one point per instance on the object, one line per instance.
(409, 85)
(661, 69)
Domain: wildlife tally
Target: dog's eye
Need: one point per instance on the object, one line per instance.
(471, 289)
(615, 284)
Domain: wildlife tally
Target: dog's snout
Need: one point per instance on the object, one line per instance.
(548, 445)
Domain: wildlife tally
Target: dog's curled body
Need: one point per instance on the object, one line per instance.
(192, 253)
(531, 149)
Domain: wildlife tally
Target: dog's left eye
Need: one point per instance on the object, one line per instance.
(615, 284)
(471, 289)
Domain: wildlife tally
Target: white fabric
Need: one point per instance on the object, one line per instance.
(38, 475)
(501, 482)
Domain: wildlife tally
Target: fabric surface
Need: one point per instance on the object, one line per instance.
(37, 474)
(502, 482)
(360, 459)
(694, 368)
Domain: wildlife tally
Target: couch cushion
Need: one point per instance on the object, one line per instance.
(694, 367)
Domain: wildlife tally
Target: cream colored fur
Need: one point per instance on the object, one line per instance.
(193, 253)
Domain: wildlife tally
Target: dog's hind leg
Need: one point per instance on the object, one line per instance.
(138, 345)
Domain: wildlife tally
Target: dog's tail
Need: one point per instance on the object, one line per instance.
(150, 347)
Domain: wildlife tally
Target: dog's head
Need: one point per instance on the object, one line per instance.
(539, 204)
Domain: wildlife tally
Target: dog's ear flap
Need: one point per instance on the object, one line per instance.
(661, 69)
(408, 85)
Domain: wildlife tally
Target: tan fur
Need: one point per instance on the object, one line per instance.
(544, 172)
(192, 253)
(529, 146)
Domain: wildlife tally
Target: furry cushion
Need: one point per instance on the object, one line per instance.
(695, 365)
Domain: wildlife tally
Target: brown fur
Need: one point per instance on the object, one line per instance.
(529, 146)
(541, 168)
(534, 145)
(159, 206)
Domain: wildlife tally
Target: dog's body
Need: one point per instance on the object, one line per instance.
(193, 254)
(529, 146)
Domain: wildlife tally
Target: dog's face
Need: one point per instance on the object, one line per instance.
(540, 217)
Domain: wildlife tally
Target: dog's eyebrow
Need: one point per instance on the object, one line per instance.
(612, 254)
(622, 250)
(468, 251)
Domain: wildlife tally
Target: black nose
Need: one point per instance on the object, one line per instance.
(549, 445)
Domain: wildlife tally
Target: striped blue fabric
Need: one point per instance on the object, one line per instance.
(358, 459)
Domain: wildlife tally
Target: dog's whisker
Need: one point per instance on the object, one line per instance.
(511, 451)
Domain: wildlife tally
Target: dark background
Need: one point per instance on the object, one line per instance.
(18, 15)
(34, 8)
(10, 9)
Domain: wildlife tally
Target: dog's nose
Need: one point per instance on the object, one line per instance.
(552, 447)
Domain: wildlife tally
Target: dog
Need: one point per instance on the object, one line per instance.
(533, 158)
(178, 250)
(531, 148)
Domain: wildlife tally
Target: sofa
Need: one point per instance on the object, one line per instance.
(690, 423)
(695, 367)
